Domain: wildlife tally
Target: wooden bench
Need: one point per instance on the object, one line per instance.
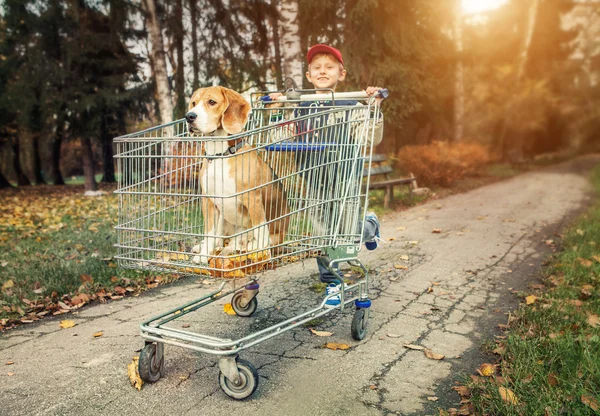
(378, 168)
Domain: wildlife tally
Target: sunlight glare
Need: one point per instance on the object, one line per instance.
(479, 6)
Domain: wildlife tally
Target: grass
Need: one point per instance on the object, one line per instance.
(550, 358)
(56, 244)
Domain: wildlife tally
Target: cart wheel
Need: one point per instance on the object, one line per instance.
(151, 366)
(248, 310)
(358, 329)
(247, 385)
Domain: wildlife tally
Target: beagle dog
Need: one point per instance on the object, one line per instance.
(239, 186)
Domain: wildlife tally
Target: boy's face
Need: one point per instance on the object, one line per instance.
(325, 72)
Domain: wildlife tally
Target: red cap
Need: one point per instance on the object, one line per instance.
(320, 48)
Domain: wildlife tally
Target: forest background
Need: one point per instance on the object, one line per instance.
(519, 80)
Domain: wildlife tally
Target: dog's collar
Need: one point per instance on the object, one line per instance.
(230, 150)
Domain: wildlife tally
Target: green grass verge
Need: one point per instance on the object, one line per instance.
(550, 358)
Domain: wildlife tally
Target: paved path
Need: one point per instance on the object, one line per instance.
(491, 240)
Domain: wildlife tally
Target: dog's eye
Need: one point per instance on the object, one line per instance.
(193, 103)
(211, 102)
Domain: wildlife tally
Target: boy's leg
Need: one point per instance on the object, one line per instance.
(333, 282)
(370, 231)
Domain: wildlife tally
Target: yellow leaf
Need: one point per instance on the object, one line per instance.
(334, 346)
(508, 395)
(585, 262)
(591, 402)
(133, 373)
(320, 333)
(228, 309)
(9, 363)
(593, 320)
(413, 347)
(486, 370)
(98, 334)
(432, 355)
(67, 324)
(8, 284)
(530, 299)
(400, 266)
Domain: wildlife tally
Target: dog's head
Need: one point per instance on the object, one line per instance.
(214, 108)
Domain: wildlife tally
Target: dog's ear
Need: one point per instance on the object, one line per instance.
(236, 114)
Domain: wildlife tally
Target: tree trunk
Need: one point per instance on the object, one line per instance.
(195, 58)
(36, 160)
(178, 32)
(87, 157)
(54, 174)
(274, 19)
(22, 179)
(292, 55)
(163, 91)
(108, 165)
(459, 86)
(4, 183)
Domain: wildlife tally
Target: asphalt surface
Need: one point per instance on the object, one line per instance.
(458, 284)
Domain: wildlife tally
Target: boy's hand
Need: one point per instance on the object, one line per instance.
(275, 96)
(371, 91)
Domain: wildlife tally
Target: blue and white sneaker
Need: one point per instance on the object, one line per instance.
(335, 299)
(372, 222)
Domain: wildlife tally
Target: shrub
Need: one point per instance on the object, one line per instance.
(442, 163)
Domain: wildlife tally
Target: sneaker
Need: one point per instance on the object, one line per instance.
(334, 300)
(373, 243)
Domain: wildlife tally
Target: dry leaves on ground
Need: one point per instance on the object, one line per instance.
(508, 395)
(591, 402)
(229, 309)
(529, 300)
(133, 373)
(67, 324)
(335, 346)
(486, 370)
(98, 334)
(432, 355)
(320, 333)
(413, 347)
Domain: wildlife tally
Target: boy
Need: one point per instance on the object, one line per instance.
(325, 71)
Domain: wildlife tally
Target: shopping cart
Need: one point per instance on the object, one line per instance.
(317, 147)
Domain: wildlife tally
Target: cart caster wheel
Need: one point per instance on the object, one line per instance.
(247, 385)
(152, 363)
(358, 329)
(240, 310)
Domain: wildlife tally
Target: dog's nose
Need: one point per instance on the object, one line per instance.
(190, 117)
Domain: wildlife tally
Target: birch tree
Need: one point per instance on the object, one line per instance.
(291, 51)
(163, 91)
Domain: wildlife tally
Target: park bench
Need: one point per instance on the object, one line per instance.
(378, 170)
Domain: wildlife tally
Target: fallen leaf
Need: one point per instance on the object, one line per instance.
(529, 300)
(575, 302)
(486, 370)
(320, 333)
(8, 284)
(463, 391)
(335, 346)
(432, 399)
(585, 262)
(508, 395)
(436, 231)
(10, 374)
(593, 320)
(98, 334)
(400, 267)
(401, 228)
(552, 379)
(591, 402)
(133, 373)
(373, 387)
(431, 355)
(228, 309)
(67, 324)
(393, 335)
(430, 289)
(185, 325)
(9, 363)
(404, 257)
(549, 242)
(413, 347)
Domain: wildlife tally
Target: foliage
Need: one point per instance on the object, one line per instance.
(550, 354)
(56, 254)
(442, 163)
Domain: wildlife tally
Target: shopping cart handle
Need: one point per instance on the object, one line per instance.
(265, 98)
